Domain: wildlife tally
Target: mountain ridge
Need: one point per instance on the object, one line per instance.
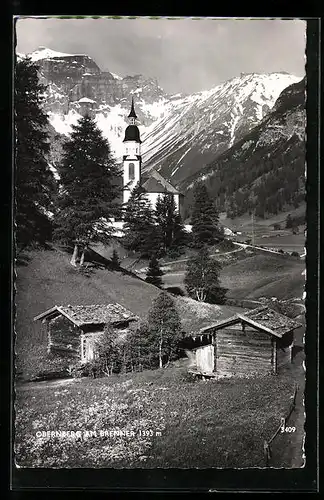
(177, 130)
(265, 170)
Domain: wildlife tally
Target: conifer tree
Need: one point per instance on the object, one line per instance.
(169, 221)
(35, 183)
(164, 329)
(154, 272)
(141, 234)
(115, 259)
(88, 196)
(204, 220)
(202, 278)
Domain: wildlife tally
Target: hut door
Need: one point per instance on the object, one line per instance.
(87, 349)
(205, 358)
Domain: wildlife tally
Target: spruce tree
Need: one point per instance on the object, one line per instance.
(170, 223)
(202, 278)
(204, 220)
(89, 188)
(164, 329)
(154, 272)
(35, 183)
(141, 233)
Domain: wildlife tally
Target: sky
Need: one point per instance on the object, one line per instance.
(184, 55)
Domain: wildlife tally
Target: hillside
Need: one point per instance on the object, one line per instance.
(266, 169)
(264, 275)
(252, 274)
(45, 278)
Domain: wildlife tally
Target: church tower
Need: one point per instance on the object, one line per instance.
(132, 159)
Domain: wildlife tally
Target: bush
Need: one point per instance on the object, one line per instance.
(294, 254)
(227, 245)
(277, 226)
(175, 252)
(82, 370)
(175, 290)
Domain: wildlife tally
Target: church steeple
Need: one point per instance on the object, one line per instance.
(132, 132)
(132, 159)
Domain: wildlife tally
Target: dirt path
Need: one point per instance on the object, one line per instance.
(24, 386)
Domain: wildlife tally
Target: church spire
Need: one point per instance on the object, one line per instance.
(132, 113)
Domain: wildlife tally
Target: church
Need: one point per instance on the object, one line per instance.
(153, 183)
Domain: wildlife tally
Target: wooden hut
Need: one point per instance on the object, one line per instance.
(257, 342)
(72, 331)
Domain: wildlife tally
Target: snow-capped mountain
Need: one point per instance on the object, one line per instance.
(200, 126)
(266, 168)
(180, 133)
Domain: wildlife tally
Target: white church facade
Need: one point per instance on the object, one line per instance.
(153, 183)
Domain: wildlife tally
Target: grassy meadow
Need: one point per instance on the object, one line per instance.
(171, 420)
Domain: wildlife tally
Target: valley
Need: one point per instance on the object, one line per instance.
(128, 354)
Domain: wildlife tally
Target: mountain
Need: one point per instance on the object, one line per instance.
(205, 124)
(180, 133)
(266, 169)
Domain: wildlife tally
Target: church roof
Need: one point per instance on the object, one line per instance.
(156, 183)
(132, 113)
(132, 133)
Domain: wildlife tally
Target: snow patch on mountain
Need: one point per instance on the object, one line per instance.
(45, 53)
(63, 123)
(117, 77)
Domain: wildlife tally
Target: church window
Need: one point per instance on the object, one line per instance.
(131, 171)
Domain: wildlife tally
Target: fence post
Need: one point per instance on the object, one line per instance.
(266, 452)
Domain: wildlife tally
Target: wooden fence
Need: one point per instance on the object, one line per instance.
(282, 425)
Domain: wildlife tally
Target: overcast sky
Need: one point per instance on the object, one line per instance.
(184, 55)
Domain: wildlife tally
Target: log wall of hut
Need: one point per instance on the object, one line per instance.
(63, 338)
(284, 350)
(243, 350)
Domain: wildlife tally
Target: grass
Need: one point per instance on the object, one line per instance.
(266, 275)
(172, 422)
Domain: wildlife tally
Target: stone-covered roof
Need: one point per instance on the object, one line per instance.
(156, 183)
(91, 315)
(268, 318)
(263, 318)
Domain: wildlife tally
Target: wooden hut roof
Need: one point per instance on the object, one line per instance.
(263, 318)
(90, 315)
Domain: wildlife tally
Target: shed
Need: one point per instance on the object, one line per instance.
(257, 342)
(72, 331)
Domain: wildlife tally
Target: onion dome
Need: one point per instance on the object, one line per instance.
(132, 133)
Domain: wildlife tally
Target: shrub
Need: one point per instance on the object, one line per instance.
(175, 290)
(295, 254)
